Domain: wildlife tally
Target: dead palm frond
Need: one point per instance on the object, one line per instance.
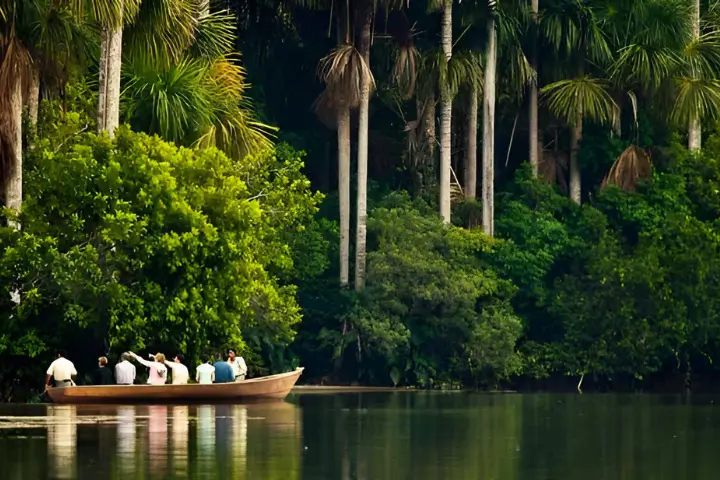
(630, 167)
(15, 66)
(342, 71)
(456, 191)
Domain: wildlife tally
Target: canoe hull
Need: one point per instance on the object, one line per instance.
(273, 387)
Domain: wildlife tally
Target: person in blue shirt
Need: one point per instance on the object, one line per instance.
(223, 372)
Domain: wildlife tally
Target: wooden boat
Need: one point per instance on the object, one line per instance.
(273, 387)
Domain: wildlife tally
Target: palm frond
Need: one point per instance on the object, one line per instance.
(573, 27)
(342, 71)
(696, 98)
(644, 66)
(106, 13)
(702, 56)
(631, 166)
(163, 31)
(584, 94)
(215, 35)
(405, 69)
(171, 102)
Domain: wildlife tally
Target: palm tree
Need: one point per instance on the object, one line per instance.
(664, 59)
(341, 72)
(14, 68)
(574, 28)
(489, 91)
(33, 34)
(533, 94)
(446, 97)
(694, 128)
(200, 98)
(365, 20)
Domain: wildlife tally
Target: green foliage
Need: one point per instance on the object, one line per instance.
(433, 313)
(137, 244)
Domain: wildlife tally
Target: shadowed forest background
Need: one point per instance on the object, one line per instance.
(433, 194)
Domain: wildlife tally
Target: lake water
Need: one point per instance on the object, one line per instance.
(397, 435)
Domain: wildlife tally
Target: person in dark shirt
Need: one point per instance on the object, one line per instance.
(223, 372)
(103, 375)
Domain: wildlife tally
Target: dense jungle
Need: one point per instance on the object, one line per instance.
(433, 194)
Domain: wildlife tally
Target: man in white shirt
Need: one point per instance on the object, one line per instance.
(125, 371)
(180, 374)
(205, 373)
(62, 370)
(238, 365)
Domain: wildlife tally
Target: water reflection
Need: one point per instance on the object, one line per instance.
(158, 440)
(414, 436)
(205, 441)
(126, 441)
(238, 442)
(62, 441)
(180, 435)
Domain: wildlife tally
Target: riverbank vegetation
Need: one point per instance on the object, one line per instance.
(334, 198)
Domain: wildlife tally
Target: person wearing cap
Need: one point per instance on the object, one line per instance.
(180, 374)
(238, 365)
(103, 375)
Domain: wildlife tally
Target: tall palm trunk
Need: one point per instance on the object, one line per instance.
(13, 137)
(362, 154)
(110, 71)
(33, 96)
(429, 125)
(575, 138)
(446, 117)
(471, 146)
(694, 129)
(533, 101)
(488, 181)
(343, 138)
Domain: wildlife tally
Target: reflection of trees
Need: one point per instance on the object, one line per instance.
(275, 442)
(620, 437)
(412, 435)
(62, 441)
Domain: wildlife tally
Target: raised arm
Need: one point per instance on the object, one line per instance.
(142, 360)
(170, 365)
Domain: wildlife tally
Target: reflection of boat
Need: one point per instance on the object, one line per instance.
(271, 387)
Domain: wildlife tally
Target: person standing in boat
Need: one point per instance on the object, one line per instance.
(158, 370)
(125, 371)
(238, 365)
(103, 375)
(180, 374)
(61, 370)
(205, 373)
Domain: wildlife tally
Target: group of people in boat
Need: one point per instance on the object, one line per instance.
(234, 369)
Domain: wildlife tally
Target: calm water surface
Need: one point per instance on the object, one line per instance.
(399, 435)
